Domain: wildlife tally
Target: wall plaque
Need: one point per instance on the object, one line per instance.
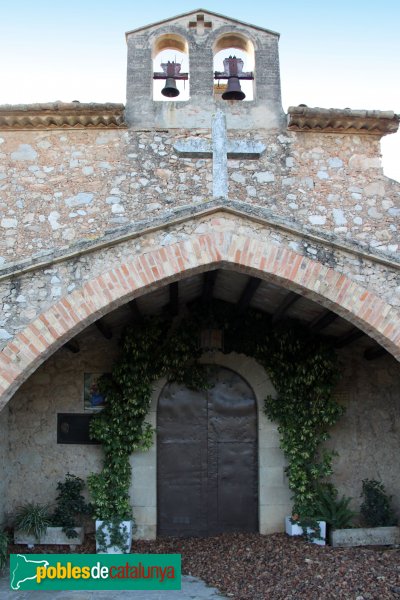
(73, 428)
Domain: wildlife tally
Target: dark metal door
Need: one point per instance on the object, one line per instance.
(207, 457)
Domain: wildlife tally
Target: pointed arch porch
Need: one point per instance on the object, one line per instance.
(164, 264)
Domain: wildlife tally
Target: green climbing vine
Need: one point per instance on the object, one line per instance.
(149, 351)
(302, 369)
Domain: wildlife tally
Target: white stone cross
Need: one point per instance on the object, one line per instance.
(219, 149)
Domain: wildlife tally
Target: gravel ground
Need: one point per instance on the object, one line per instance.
(277, 567)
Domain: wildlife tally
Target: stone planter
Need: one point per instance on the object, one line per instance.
(294, 529)
(365, 536)
(125, 527)
(53, 535)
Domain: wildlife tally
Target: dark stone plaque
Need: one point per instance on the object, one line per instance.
(73, 428)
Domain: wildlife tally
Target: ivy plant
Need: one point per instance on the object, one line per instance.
(149, 351)
(113, 534)
(304, 373)
(302, 369)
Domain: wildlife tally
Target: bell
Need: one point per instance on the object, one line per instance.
(234, 91)
(170, 90)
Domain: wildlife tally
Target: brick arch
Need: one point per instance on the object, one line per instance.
(155, 268)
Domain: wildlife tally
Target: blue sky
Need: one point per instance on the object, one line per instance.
(333, 54)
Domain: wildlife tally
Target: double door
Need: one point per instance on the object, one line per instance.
(207, 465)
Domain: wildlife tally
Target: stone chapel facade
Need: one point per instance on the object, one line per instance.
(112, 212)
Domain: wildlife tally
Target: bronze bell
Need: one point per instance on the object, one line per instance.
(170, 90)
(234, 91)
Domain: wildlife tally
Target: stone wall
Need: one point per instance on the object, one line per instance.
(366, 438)
(59, 188)
(36, 462)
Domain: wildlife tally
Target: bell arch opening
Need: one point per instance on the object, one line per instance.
(234, 53)
(170, 56)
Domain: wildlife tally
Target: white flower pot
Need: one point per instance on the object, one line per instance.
(294, 529)
(365, 536)
(53, 535)
(125, 527)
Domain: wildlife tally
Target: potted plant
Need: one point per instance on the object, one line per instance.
(114, 522)
(4, 539)
(34, 523)
(312, 528)
(70, 507)
(31, 522)
(333, 510)
(378, 516)
(376, 510)
(121, 429)
(327, 512)
(114, 536)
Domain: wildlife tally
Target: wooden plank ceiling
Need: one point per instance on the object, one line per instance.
(244, 291)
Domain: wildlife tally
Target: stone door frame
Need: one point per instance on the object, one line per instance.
(273, 493)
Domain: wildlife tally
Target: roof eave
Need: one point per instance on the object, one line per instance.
(336, 120)
(62, 115)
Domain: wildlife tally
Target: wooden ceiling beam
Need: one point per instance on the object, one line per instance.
(248, 293)
(349, 337)
(374, 352)
(322, 321)
(173, 306)
(72, 346)
(208, 286)
(104, 329)
(287, 302)
(133, 305)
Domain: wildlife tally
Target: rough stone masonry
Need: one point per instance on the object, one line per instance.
(61, 187)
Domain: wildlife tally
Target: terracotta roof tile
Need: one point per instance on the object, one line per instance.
(336, 120)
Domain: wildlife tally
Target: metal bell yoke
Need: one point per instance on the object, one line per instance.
(171, 73)
(233, 72)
